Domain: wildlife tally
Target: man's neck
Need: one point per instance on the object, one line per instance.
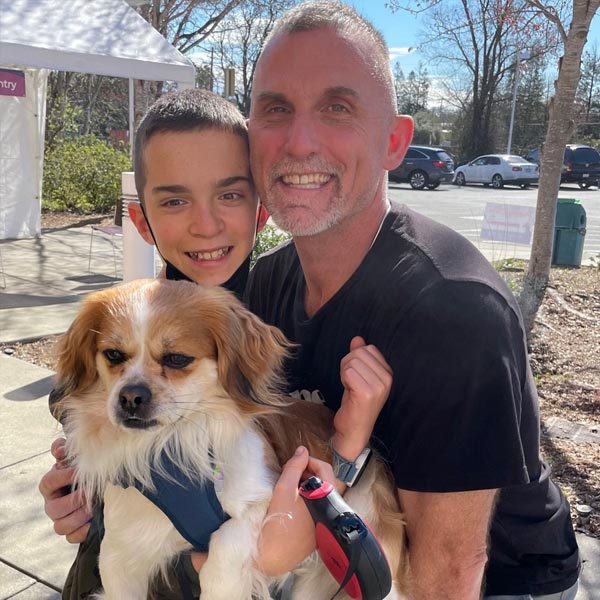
(330, 258)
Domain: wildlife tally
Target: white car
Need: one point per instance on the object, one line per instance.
(498, 170)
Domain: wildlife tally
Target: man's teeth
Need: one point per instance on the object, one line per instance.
(307, 179)
(214, 255)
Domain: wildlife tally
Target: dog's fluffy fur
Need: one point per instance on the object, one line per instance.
(157, 366)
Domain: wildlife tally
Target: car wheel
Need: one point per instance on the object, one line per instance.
(497, 181)
(418, 180)
(460, 179)
(433, 186)
(584, 185)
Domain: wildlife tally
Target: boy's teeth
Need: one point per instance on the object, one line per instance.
(310, 179)
(214, 255)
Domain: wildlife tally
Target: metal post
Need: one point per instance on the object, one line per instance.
(131, 117)
(514, 105)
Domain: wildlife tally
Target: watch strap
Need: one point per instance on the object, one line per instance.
(350, 471)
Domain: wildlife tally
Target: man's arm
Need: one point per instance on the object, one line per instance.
(447, 536)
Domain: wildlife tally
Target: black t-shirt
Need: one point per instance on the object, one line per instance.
(463, 411)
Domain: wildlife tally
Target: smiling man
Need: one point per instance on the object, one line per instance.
(461, 426)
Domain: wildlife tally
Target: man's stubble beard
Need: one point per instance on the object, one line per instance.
(303, 227)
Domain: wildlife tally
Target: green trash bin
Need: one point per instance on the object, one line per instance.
(569, 233)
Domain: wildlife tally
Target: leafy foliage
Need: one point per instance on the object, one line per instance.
(83, 175)
(268, 238)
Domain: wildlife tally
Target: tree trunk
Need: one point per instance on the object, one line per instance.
(560, 126)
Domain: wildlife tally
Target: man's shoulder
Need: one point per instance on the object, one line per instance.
(453, 257)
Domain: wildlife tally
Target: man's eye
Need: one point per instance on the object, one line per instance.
(276, 109)
(176, 361)
(337, 108)
(114, 357)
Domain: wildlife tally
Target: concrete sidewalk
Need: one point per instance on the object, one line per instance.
(45, 279)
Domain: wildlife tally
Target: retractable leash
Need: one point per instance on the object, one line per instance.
(348, 548)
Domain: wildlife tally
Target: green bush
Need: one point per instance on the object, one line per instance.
(83, 175)
(268, 238)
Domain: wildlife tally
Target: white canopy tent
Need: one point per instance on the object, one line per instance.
(104, 37)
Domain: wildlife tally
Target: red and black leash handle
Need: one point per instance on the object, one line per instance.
(347, 546)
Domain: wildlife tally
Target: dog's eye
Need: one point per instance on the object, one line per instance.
(176, 361)
(114, 357)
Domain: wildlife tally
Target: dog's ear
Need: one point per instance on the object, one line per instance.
(250, 354)
(76, 367)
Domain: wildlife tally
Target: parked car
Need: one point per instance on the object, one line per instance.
(424, 167)
(498, 170)
(581, 165)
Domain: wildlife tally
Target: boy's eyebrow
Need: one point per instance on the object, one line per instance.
(182, 189)
(171, 189)
(232, 180)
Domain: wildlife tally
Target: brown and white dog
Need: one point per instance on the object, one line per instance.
(154, 367)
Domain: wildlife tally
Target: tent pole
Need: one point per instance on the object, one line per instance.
(131, 117)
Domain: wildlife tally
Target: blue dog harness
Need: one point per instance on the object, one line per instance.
(192, 506)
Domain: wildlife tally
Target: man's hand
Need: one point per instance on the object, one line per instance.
(67, 509)
(367, 380)
(288, 532)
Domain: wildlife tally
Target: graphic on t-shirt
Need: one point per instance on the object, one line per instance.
(315, 396)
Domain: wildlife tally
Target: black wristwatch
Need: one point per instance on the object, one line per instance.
(350, 472)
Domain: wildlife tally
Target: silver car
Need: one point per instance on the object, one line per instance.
(498, 170)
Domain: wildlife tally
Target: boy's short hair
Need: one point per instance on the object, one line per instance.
(181, 111)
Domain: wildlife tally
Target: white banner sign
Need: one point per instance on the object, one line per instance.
(508, 223)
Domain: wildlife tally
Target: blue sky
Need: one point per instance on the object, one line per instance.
(401, 31)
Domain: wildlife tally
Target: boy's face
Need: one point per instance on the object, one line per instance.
(200, 202)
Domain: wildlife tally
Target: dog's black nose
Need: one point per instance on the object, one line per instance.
(132, 398)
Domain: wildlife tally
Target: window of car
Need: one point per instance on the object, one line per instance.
(412, 153)
(585, 155)
(443, 156)
(533, 156)
(493, 160)
(480, 161)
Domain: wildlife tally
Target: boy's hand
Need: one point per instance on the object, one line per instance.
(67, 509)
(367, 380)
(287, 536)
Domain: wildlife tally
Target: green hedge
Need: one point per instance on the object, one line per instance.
(268, 238)
(83, 175)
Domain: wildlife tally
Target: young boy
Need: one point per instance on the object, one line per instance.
(193, 179)
(199, 207)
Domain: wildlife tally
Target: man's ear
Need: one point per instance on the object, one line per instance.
(399, 141)
(261, 217)
(139, 220)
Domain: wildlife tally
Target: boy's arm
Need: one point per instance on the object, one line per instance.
(67, 509)
(367, 381)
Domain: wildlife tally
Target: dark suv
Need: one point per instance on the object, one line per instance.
(424, 167)
(581, 165)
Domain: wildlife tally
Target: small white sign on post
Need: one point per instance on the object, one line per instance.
(508, 223)
(138, 256)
